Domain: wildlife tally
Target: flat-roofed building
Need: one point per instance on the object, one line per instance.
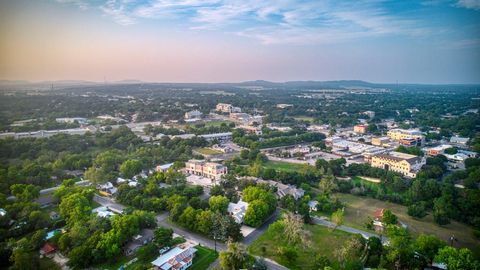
(380, 141)
(406, 136)
(362, 129)
(407, 165)
(203, 168)
(227, 108)
(195, 114)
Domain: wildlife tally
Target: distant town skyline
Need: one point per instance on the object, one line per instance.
(435, 41)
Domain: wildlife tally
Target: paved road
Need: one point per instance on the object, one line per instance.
(111, 204)
(344, 228)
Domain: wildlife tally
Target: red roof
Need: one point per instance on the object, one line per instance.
(378, 213)
(48, 248)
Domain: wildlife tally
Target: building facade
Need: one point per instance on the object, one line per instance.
(206, 169)
(409, 137)
(407, 165)
(362, 129)
(227, 108)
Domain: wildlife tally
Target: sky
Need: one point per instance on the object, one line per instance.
(431, 41)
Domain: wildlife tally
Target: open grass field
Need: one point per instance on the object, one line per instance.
(358, 209)
(283, 166)
(324, 241)
(208, 151)
(203, 258)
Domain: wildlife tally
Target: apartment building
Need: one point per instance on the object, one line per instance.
(203, 168)
(408, 137)
(406, 164)
(227, 108)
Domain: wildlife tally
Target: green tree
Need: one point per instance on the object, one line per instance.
(75, 208)
(130, 168)
(218, 203)
(163, 237)
(389, 218)
(428, 246)
(234, 257)
(338, 218)
(457, 259)
(256, 213)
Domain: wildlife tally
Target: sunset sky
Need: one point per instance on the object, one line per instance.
(436, 41)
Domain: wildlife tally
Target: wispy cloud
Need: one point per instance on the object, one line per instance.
(83, 5)
(273, 21)
(470, 4)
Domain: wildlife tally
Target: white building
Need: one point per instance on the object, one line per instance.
(80, 120)
(195, 114)
(227, 108)
(238, 210)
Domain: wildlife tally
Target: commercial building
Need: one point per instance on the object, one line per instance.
(380, 141)
(409, 137)
(459, 140)
(227, 108)
(206, 169)
(437, 150)
(407, 165)
(80, 120)
(362, 129)
(222, 137)
(195, 114)
(178, 258)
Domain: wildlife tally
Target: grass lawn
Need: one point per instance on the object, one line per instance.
(323, 241)
(48, 264)
(121, 260)
(208, 151)
(203, 258)
(284, 166)
(360, 181)
(359, 208)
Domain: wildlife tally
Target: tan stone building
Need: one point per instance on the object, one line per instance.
(203, 168)
(406, 136)
(407, 165)
(362, 129)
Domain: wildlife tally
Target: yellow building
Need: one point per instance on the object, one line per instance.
(362, 129)
(380, 141)
(398, 134)
(407, 165)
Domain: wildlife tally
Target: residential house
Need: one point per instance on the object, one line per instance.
(144, 237)
(238, 210)
(378, 219)
(178, 258)
(164, 167)
(107, 189)
(48, 249)
(313, 205)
